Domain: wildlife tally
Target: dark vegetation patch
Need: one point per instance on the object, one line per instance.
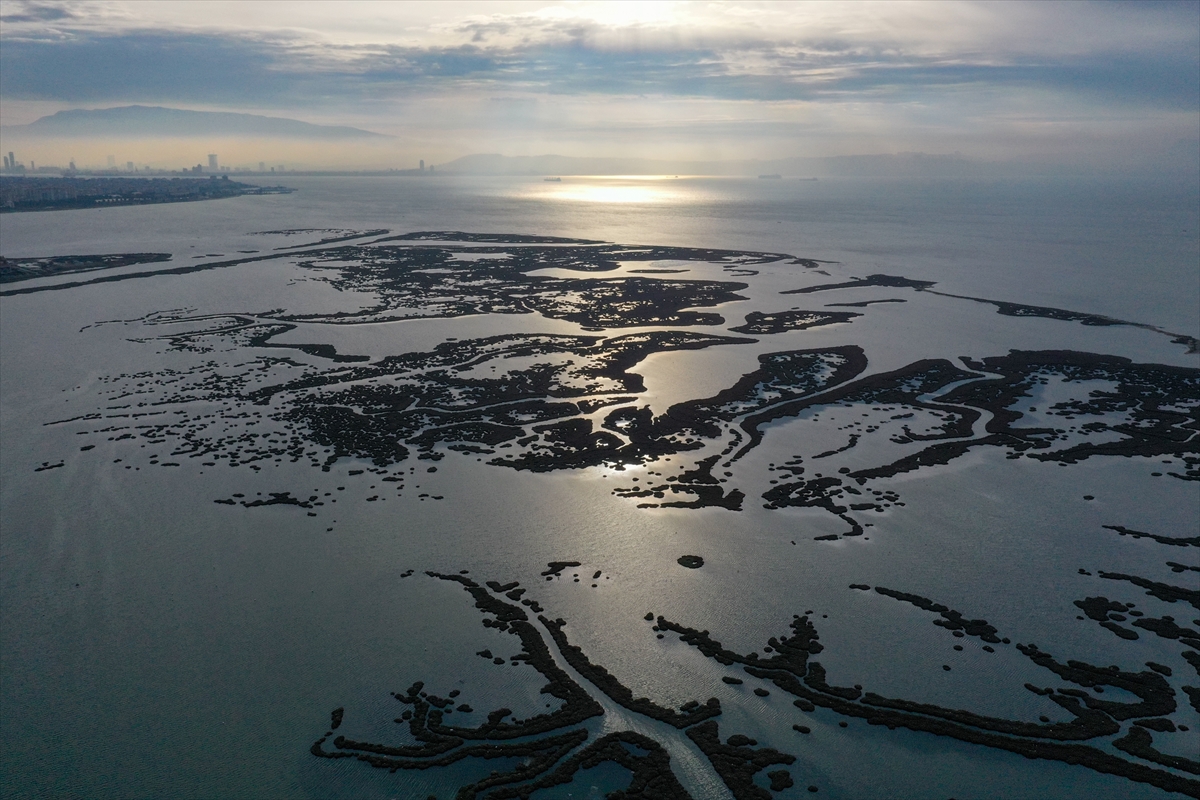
(789, 667)
(1178, 541)
(547, 749)
(21, 269)
(529, 401)
(865, 303)
(892, 281)
(758, 323)
(432, 280)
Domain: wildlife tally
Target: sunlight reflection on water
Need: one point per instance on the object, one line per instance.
(638, 189)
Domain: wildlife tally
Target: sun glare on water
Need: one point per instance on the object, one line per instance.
(634, 192)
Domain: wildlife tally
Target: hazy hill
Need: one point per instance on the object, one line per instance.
(155, 121)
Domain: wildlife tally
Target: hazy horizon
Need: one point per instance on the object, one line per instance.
(1064, 86)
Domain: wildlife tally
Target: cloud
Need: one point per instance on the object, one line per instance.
(909, 69)
(37, 12)
(140, 66)
(253, 69)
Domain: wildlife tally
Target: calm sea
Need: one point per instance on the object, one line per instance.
(155, 644)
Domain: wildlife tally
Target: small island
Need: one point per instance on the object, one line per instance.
(55, 194)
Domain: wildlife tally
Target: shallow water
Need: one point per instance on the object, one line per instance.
(158, 643)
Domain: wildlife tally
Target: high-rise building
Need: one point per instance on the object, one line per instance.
(6, 162)
(112, 162)
(12, 160)
(129, 166)
(212, 160)
(422, 165)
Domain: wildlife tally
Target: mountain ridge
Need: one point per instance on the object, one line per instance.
(156, 121)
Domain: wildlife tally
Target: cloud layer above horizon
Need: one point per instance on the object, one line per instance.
(1058, 82)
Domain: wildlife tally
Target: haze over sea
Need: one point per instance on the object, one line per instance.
(1119, 246)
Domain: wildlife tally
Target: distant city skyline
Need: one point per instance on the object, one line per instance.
(12, 165)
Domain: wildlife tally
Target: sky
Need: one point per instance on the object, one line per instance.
(1088, 83)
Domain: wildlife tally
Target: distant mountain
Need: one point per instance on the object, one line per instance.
(889, 164)
(155, 121)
